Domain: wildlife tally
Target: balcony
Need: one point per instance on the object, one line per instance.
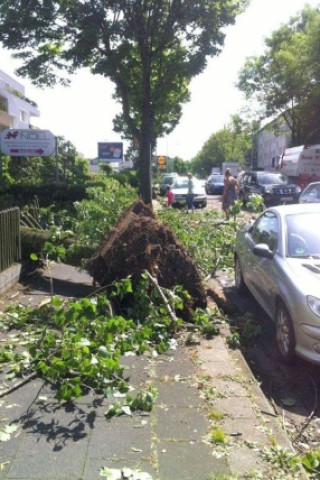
(5, 120)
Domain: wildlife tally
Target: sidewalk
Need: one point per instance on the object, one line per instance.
(203, 389)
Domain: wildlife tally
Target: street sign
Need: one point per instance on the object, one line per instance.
(162, 160)
(27, 143)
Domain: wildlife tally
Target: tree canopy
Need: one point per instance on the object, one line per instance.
(231, 144)
(285, 80)
(149, 49)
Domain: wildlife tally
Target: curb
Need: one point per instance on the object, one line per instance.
(9, 277)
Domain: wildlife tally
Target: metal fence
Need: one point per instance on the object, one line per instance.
(10, 242)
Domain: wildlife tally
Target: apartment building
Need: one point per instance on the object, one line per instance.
(16, 110)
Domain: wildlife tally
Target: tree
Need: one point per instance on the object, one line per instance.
(150, 49)
(231, 144)
(285, 80)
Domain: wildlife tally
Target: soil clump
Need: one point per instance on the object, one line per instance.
(139, 242)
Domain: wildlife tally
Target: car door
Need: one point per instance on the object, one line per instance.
(262, 272)
(245, 186)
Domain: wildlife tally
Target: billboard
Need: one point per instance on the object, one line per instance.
(27, 143)
(110, 151)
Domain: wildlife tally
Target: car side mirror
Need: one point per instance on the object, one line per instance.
(262, 250)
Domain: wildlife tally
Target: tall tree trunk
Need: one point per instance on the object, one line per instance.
(145, 165)
(145, 136)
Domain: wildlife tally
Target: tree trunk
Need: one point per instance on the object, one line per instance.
(145, 136)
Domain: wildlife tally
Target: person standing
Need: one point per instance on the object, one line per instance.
(170, 196)
(230, 192)
(190, 194)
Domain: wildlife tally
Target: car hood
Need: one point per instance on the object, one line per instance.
(308, 272)
(184, 191)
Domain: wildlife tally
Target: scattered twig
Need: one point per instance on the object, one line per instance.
(18, 384)
(167, 304)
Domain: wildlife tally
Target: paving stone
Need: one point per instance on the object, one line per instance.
(229, 388)
(214, 355)
(181, 394)
(172, 368)
(241, 429)
(123, 438)
(188, 461)
(242, 459)
(216, 369)
(56, 458)
(232, 406)
(181, 423)
(93, 467)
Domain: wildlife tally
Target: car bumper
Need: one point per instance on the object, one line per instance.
(198, 201)
(214, 190)
(272, 199)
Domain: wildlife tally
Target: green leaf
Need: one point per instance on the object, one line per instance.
(4, 437)
(111, 473)
(126, 410)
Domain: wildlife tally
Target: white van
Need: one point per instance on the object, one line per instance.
(301, 164)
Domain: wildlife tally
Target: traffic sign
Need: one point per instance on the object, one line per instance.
(27, 143)
(162, 160)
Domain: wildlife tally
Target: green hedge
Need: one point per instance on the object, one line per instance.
(21, 195)
(33, 240)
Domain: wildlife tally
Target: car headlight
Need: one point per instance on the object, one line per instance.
(268, 189)
(314, 304)
(298, 189)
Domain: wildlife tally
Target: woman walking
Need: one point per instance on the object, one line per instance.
(230, 192)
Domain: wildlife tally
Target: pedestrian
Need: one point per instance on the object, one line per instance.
(240, 174)
(190, 194)
(230, 192)
(170, 196)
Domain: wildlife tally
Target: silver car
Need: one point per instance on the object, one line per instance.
(277, 257)
(311, 194)
(180, 191)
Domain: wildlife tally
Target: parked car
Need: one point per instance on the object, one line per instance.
(215, 184)
(311, 194)
(277, 258)
(166, 180)
(180, 190)
(274, 187)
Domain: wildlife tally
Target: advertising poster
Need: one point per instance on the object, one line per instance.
(110, 151)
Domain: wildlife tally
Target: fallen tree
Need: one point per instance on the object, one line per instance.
(139, 242)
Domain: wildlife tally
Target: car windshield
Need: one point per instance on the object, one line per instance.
(217, 179)
(303, 231)
(273, 179)
(168, 179)
(181, 183)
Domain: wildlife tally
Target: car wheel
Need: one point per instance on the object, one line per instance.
(241, 287)
(285, 338)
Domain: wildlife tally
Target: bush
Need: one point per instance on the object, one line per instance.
(32, 241)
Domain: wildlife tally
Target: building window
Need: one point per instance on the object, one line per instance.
(14, 122)
(23, 116)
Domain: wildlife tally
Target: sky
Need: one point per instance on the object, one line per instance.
(83, 112)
